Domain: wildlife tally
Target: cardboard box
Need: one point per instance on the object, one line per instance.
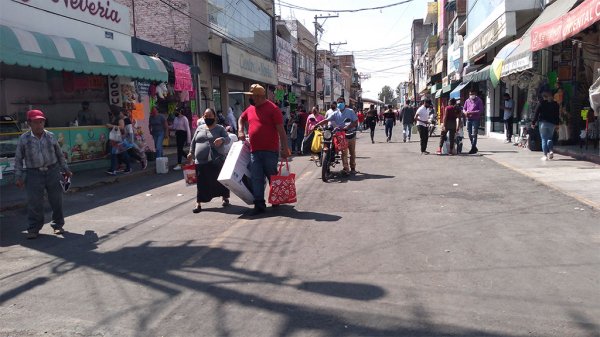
(235, 174)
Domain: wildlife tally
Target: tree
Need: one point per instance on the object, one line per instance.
(386, 95)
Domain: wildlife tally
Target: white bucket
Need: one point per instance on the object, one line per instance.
(162, 165)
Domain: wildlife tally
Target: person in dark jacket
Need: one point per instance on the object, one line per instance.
(372, 121)
(389, 117)
(547, 117)
(407, 117)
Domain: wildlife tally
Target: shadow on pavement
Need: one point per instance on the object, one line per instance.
(288, 211)
(161, 269)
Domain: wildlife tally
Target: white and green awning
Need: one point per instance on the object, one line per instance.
(37, 50)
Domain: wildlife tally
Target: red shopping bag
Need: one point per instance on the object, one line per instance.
(189, 174)
(340, 141)
(283, 188)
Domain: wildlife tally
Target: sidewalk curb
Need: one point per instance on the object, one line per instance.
(579, 156)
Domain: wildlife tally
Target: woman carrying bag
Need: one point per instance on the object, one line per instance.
(207, 151)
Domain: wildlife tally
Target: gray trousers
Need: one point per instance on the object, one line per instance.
(36, 182)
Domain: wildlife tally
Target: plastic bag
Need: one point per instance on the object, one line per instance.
(115, 135)
(316, 143)
(283, 188)
(340, 141)
(189, 174)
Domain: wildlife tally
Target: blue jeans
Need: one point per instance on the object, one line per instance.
(473, 130)
(124, 156)
(262, 164)
(389, 126)
(158, 136)
(36, 182)
(407, 130)
(547, 133)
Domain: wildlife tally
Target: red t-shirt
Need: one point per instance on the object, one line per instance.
(262, 121)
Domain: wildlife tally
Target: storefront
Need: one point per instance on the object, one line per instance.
(559, 68)
(72, 79)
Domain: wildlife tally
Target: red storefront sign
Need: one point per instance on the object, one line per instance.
(564, 27)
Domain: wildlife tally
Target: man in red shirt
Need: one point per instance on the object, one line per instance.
(267, 141)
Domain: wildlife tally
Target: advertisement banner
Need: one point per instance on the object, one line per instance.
(565, 26)
(241, 63)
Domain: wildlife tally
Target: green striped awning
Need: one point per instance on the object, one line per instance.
(25, 48)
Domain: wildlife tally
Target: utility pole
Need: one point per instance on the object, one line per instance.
(331, 67)
(318, 29)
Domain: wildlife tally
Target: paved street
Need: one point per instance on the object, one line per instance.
(411, 246)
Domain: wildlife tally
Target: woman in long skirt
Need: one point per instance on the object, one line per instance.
(207, 152)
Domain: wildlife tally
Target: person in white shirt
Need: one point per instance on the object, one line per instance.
(183, 135)
(422, 119)
(230, 120)
(508, 117)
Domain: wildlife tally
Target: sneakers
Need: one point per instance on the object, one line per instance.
(144, 163)
(544, 158)
(32, 235)
(404, 140)
(59, 231)
(225, 202)
(507, 141)
(128, 171)
(352, 171)
(439, 151)
(473, 150)
(112, 173)
(424, 152)
(550, 155)
(177, 167)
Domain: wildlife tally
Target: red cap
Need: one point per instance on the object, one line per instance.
(35, 114)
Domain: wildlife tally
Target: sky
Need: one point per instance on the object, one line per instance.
(379, 39)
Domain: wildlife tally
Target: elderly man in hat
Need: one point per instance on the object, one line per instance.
(39, 155)
(267, 141)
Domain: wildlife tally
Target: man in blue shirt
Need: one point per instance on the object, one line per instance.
(347, 120)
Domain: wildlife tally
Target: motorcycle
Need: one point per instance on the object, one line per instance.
(330, 150)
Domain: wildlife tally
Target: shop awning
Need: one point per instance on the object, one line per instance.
(438, 93)
(456, 92)
(24, 48)
(522, 58)
(478, 76)
(564, 26)
(449, 87)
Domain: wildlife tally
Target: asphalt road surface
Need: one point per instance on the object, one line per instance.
(413, 245)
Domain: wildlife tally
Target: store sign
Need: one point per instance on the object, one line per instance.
(103, 13)
(498, 30)
(565, 26)
(455, 58)
(240, 63)
(284, 61)
(114, 91)
(519, 64)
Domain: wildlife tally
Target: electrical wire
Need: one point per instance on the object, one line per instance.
(292, 6)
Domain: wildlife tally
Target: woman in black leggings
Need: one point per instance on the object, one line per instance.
(372, 121)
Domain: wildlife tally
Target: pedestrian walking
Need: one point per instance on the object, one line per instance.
(371, 121)
(508, 117)
(182, 135)
(450, 121)
(361, 120)
(390, 121)
(407, 117)
(207, 152)
(119, 149)
(157, 123)
(350, 121)
(422, 118)
(547, 115)
(302, 116)
(40, 166)
(135, 151)
(472, 109)
(267, 141)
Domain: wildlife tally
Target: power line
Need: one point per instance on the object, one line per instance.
(289, 5)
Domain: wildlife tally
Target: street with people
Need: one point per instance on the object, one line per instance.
(299, 168)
